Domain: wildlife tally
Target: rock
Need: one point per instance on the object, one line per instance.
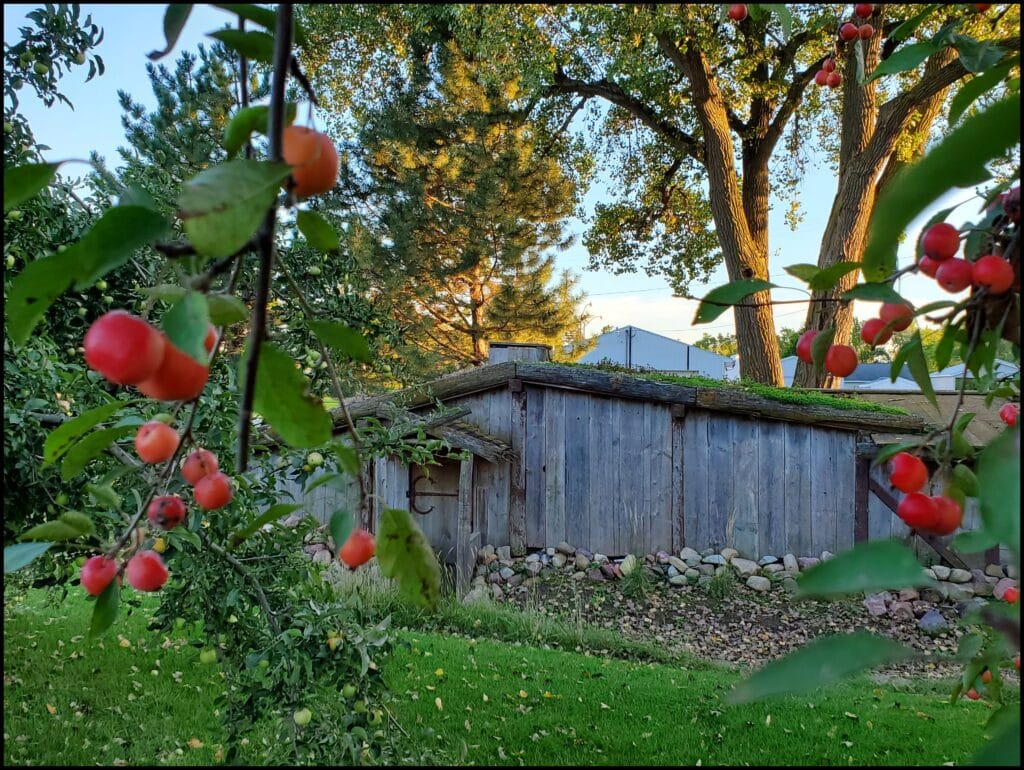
(480, 570)
(959, 592)
(692, 575)
(941, 571)
(581, 561)
(494, 578)
(790, 563)
(932, 595)
(532, 557)
(707, 552)
(707, 570)
(496, 593)
(672, 571)
(744, 567)
(959, 576)
(909, 595)
(678, 580)
(530, 582)
(516, 579)
(661, 557)
(729, 553)
(759, 583)
(965, 608)
(678, 565)
(505, 563)
(983, 588)
(690, 556)
(766, 560)
(534, 568)
(943, 588)
(558, 560)
(293, 521)
(1011, 571)
(789, 585)
(994, 570)
(787, 574)
(875, 603)
(595, 575)
(506, 573)
(565, 548)
(721, 568)
(714, 558)
(920, 608)
(504, 552)
(630, 563)
(322, 557)
(806, 562)
(826, 555)
(703, 581)
(549, 552)
(313, 550)
(579, 575)
(1001, 587)
(585, 553)
(902, 610)
(485, 552)
(933, 623)
(475, 595)
(611, 571)
(479, 581)
(600, 558)
(649, 559)
(768, 569)
(929, 573)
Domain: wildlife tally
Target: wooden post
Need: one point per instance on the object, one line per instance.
(517, 498)
(678, 521)
(465, 555)
(861, 493)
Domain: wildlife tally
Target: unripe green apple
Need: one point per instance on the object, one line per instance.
(8, 127)
(307, 467)
(179, 622)
(71, 351)
(62, 248)
(62, 499)
(10, 260)
(107, 299)
(376, 717)
(359, 707)
(83, 312)
(264, 663)
(302, 717)
(17, 83)
(348, 691)
(313, 270)
(27, 56)
(40, 68)
(101, 285)
(208, 656)
(315, 459)
(222, 639)
(80, 57)
(14, 214)
(232, 619)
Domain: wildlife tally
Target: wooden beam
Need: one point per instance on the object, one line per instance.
(517, 495)
(606, 383)
(417, 422)
(464, 557)
(678, 474)
(489, 448)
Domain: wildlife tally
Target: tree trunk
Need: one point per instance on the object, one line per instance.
(476, 332)
(744, 256)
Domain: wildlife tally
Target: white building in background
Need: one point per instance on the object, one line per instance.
(949, 378)
(864, 377)
(640, 349)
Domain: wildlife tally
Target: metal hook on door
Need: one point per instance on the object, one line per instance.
(414, 492)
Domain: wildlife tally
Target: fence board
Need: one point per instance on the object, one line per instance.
(744, 478)
(771, 491)
(798, 489)
(676, 468)
(696, 472)
(554, 463)
(633, 459)
(823, 493)
(721, 501)
(602, 499)
(845, 472)
(577, 469)
(536, 537)
(658, 425)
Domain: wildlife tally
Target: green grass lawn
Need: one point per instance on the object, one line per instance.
(144, 698)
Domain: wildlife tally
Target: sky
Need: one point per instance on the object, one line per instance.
(131, 31)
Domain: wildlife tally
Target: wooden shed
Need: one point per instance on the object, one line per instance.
(621, 464)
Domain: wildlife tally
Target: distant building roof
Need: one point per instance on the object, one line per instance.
(957, 370)
(872, 372)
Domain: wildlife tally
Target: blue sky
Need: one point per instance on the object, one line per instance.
(131, 31)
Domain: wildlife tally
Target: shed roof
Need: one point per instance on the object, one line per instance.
(619, 385)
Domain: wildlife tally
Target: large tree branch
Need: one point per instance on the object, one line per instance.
(612, 92)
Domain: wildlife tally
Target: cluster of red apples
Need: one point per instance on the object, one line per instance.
(939, 514)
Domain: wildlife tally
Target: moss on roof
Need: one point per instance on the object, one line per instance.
(784, 395)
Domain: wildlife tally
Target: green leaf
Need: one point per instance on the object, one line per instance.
(904, 30)
(976, 55)
(226, 309)
(1004, 748)
(341, 527)
(972, 90)
(23, 554)
(134, 195)
(265, 17)
(333, 480)
(803, 271)
(931, 307)
(269, 516)
(68, 526)
(22, 182)
(258, 46)
(186, 325)
(318, 231)
(829, 277)
(998, 473)
(64, 435)
(343, 339)
(957, 161)
(944, 350)
(785, 19)
(105, 611)
(974, 541)
(906, 57)
(90, 447)
(222, 207)
(348, 459)
(820, 344)
(874, 292)
(34, 289)
(241, 126)
(719, 299)
(281, 398)
(874, 566)
(104, 494)
(918, 365)
(823, 661)
(174, 21)
(112, 240)
(969, 646)
(966, 480)
(405, 554)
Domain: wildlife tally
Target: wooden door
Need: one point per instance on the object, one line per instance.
(434, 500)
